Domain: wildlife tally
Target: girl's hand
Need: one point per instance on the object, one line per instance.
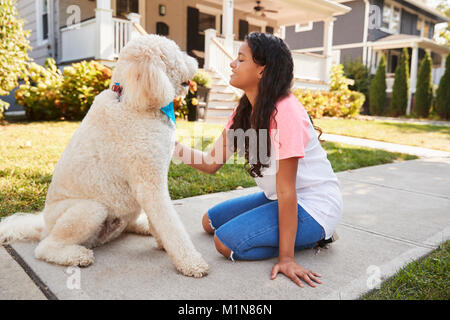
(292, 270)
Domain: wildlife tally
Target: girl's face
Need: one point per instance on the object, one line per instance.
(245, 72)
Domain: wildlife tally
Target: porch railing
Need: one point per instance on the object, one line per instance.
(309, 68)
(72, 36)
(122, 34)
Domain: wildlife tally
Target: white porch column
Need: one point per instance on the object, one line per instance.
(413, 77)
(227, 24)
(209, 34)
(442, 68)
(105, 30)
(328, 46)
(134, 18)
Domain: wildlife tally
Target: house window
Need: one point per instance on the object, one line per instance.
(205, 21)
(300, 27)
(42, 21)
(391, 18)
(252, 27)
(127, 6)
(426, 29)
(419, 26)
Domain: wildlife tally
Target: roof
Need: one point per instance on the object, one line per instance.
(406, 40)
(440, 17)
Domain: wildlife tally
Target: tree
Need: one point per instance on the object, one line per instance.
(444, 35)
(400, 89)
(358, 71)
(443, 93)
(424, 91)
(13, 49)
(377, 90)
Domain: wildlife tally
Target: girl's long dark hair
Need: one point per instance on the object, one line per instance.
(275, 84)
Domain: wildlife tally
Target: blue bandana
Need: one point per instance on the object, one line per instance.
(170, 112)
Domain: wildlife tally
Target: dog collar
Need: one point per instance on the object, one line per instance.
(170, 112)
(167, 110)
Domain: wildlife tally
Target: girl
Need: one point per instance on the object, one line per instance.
(301, 202)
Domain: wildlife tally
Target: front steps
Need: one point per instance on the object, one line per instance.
(222, 99)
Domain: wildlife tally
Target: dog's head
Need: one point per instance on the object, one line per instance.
(152, 71)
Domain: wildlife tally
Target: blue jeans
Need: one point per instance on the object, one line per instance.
(248, 226)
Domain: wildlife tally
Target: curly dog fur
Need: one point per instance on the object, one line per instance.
(116, 165)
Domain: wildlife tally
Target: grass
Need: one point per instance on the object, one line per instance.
(424, 279)
(419, 135)
(30, 151)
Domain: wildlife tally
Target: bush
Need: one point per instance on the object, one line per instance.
(424, 91)
(51, 95)
(14, 45)
(202, 79)
(41, 89)
(340, 101)
(443, 93)
(357, 71)
(377, 91)
(82, 82)
(400, 89)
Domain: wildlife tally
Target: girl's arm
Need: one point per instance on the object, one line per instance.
(208, 162)
(288, 223)
(287, 206)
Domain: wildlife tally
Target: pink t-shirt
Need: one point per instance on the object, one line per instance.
(317, 186)
(292, 122)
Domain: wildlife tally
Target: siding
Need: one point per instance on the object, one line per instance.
(348, 28)
(27, 11)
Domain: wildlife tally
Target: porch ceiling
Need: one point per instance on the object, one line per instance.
(293, 11)
(404, 40)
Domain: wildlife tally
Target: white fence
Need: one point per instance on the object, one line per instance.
(122, 34)
(71, 38)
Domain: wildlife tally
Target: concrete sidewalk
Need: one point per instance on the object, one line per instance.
(393, 214)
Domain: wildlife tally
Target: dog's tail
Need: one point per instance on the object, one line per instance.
(22, 226)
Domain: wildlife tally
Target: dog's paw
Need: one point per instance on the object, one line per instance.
(195, 267)
(84, 259)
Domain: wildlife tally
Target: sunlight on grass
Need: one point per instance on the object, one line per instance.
(419, 135)
(30, 151)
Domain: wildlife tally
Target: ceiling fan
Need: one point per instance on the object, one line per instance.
(258, 9)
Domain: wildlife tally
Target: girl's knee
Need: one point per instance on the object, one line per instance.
(207, 226)
(223, 249)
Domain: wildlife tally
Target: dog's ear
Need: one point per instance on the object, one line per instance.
(146, 84)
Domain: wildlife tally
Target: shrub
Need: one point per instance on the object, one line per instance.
(40, 91)
(357, 71)
(51, 95)
(340, 101)
(377, 91)
(82, 82)
(443, 93)
(400, 89)
(202, 79)
(14, 45)
(424, 91)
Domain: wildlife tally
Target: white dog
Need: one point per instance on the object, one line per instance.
(116, 164)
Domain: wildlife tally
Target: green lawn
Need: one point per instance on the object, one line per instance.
(30, 151)
(425, 279)
(419, 135)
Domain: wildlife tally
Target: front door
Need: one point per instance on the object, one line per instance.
(197, 23)
(123, 7)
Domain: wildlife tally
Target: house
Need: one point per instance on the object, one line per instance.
(210, 30)
(374, 27)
